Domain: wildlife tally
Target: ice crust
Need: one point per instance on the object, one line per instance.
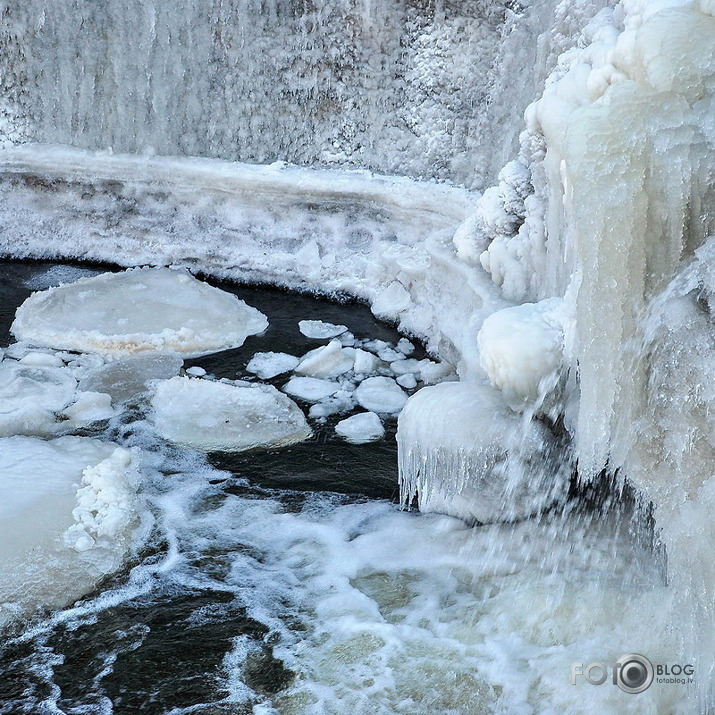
(219, 416)
(68, 508)
(139, 310)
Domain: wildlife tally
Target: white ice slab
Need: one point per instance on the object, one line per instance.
(320, 330)
(268, 365)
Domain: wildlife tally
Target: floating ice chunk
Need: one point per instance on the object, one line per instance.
(463, 452)
(342, 401)
(43, 512)
(433, 372)
(392, 301)
(364, 362)
(380, 394)
(408, 381)
(136, 311)
(311, 389)
(129, 376)
(196, 371)
(268, 365)
(90, 407)
(522, 350)
(358, 429)
(401, 367)
(30, 397)
(390, 355)
(219, 416)
(405, 346)
(319, 330)
(329, 360)
(40, 359)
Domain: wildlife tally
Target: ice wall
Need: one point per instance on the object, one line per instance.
(430, 89)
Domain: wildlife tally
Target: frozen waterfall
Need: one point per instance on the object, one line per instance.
(527, 187)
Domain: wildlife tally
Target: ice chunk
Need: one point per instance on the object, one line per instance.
(408, 381)
(195, 371)
(320, 330)
(364, 362)
(361, 428)
(219, 416)
(463, 452)
(380, 394)
(329, 360)
(45, 519)
(40, 359)
(136, 311)
(405, 346)
(433, 372)
(268, 365)
(342, 401)
(311, 389)
(392, 301)
(522, 350)
(30, 397)
(90, 407)
(401, 367)
(128, 376)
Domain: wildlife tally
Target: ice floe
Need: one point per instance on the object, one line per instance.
(220, 416)
(268, 365)
(320, 330)
(380, 394)
(136, 311)
(361, 428)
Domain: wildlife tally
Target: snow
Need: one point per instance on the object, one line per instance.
(66, 515)
(311, 389)
(219, 416)
(268, 365)
(463, 452)
(361, 428)
(380, 394)
(320, 330)
(138, 310)
(328, 360)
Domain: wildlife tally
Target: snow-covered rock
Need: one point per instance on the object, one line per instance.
(219, 416)
(320, 330)
(270, 364)
(361, 428)
(136, 311)
(380, 394)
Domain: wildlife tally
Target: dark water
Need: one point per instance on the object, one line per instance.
(152, 639)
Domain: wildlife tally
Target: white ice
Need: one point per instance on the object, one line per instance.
(136, 311)
(361, 428)
(268, 365)
(320, 330)
(380, 394)
(219, 416)
(66, 517)
(328, 360)
(311, 389)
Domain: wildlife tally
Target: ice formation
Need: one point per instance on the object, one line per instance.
(219, 416)
(311, 389)
(329, 360)
(269, 365)
(67, 513)
(380, 394)
(137, 311)
(465, 453)
(319, 329)
(361, 428)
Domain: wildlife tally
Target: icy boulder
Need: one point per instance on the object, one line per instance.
(219, 416)
(521, 351)
(66, 518)
(463, 452)
(136, 311)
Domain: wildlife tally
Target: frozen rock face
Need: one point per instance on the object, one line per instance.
(136, 311)
(463, 452)
(66, 518)
(218, 416)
